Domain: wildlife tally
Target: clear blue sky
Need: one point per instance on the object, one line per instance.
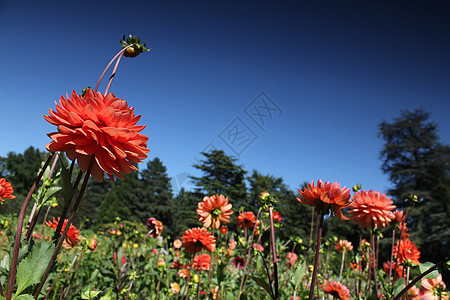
(332, 71)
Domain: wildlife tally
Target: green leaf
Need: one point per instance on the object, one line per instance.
(31, 269)
(23, 297)
(108, 296)
(425, 266)
(262, 284)
(299, 273)
(68, 191)
(398, 286)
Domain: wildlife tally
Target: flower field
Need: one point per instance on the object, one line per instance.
(232, 253)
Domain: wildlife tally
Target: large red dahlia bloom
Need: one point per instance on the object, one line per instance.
(214, 210)
(246, 219)
(100, 125)
(328, 197)
(6, 190)
(372, 209)
(408, 253)
(196, 239)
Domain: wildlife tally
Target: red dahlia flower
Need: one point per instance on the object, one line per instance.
(99, 125)
(337, 290)
(344, 245)
(6, 190)
(408, 253)
(202, 261)
(328, 197)
(154, 227)
(196, 239)
(246, 219)
(73, 235)
(214, 210)
(371, 209)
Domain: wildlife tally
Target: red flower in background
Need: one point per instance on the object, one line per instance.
(214, 210)
(291, 258)
(371, 209)
(344, 245)
(408, 253)
(202, 261)
(6, 190)
(336, 289)
(100, 125)
(400, 269)
(154, 227)
(223, 229)
(73, 235)
(196, 239)
(238, 262)
(276, 216)
(328, 197)
(246, 219)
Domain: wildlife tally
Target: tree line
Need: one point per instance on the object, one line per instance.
(412, 156)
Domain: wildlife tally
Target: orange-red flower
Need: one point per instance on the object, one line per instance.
(214, 210)
(246, 219)
(408, 253)
(202, 261)
(196, 239)
(414, 293)
(398, 216)
(6, 190)
(276, 216)
(73, 235)
(291, 258)
(400, 269)
(100, 125)
(434, 289)
(336, 289)
(327, 197)
(371, 209)
(258, 247)
(344, 245)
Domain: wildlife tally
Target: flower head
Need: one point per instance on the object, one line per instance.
(154, 227)
(223, 229)
(177, 244)
(175, 287)
(291, 258)
(246, 219)
(371, 209)
(99, 125)
(258, 247)
(336, 289)
(408, 253)
(73, 235)
(327, 197)
(6, 190)
(238, 262)
(434, 289)
(344, 245)
(214, 210)
(202, 261)
(400, 269)
(196, 239)
(276, 216)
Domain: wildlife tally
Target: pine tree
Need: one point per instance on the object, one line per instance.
(221, 176)
(417, 163)
(156, 198)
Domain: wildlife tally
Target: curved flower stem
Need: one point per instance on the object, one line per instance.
(268, 275)
(109, 64)
(342, 264)
(413, 282)
(274, 253)
(392, 257)
(374, 263)
(113, 73)
(316, 258)
(12, 273)
(66, 228)
(248, 254)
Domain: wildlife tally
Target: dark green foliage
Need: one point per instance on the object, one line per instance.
(156, 196)
(222, 176)
(417, 163)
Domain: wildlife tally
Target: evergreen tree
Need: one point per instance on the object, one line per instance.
(92, 200)
(156, 197)
(185, 215)
(221, 176)
(417, 163)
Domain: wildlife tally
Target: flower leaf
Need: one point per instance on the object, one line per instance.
(398, 286)
(423, 267)
(299, 273)
(262, 284)
(31, 269)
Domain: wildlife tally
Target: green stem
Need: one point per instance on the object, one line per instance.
(274, 253)
(316, 258)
